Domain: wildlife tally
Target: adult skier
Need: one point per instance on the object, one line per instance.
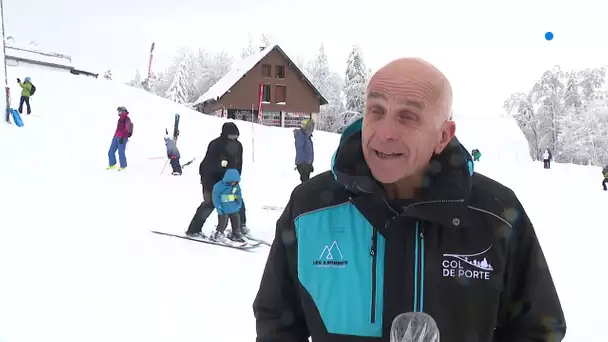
(305, 153)
(173, 155)
(402, 223)
(547, 159)
(228, 200)
(224, 152)
(605, 174)
(26, 92)
(123, 131)
(476, 154)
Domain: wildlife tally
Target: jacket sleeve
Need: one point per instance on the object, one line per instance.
(529, 310)
(238, 163)
(211, 157)
(277, 309)
(299, 146)
(215, 195)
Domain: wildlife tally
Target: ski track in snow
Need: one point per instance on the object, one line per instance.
(79, 263)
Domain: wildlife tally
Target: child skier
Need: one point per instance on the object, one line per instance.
(605, 181)
(227, 199)
(173, 155)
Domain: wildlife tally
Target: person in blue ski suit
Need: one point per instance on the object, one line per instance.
(228, 200)
(305, 152)
(173, 155)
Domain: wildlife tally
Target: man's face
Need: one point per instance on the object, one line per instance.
(405, 120)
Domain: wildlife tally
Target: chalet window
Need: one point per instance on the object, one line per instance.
(266, 70)
(280, 71)
(266, 93)
(280, 94)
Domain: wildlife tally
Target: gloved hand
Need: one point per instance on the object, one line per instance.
(121, 141)
(18, 80)
(224, 163)
(312, 169)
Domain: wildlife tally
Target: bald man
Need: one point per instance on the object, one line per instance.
(402, 223)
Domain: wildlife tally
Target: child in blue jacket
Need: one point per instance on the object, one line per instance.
(227, 199)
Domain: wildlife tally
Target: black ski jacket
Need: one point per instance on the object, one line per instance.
(221, 148)
(346, 260)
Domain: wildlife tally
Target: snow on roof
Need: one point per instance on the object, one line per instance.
(238, 71)
(38, 56)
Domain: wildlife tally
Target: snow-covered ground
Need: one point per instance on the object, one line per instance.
(78, 261)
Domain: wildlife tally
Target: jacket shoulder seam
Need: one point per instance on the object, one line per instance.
(321, 209)
(487, 212)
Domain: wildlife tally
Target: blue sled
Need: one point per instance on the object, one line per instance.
(16, 117)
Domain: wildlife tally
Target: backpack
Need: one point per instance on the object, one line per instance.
(33, 90)
(129, 127)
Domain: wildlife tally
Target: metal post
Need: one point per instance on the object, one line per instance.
(252, 142)
(4, 61)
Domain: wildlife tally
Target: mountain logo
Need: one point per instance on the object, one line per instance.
(472, 266)
(331, 256)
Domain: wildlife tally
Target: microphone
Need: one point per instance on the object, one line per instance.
(414, 327)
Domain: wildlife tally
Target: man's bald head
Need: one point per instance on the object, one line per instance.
(408, 104)
(432, 85)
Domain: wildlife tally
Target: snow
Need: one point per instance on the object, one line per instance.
(239, 69)
(79, 263)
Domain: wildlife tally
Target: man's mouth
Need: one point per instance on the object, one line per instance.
(385, 155)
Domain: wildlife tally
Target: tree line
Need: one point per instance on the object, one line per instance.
(194, 71)
(565, 111)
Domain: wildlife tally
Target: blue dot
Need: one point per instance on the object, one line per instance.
(549, 36)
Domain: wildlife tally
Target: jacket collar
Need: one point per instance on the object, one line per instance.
(447, 182)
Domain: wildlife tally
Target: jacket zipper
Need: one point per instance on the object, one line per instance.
(373, 252)
(419, 267)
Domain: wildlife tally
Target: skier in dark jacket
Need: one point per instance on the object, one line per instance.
(305, 153)
(173, 155)
(402, 223)
(605, 174)
(224, 152)
(547, 157)
(476, 154)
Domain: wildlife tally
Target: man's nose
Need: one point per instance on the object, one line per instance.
(387, 129)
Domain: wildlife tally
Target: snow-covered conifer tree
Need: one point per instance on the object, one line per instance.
(355, 81)
(178, 90)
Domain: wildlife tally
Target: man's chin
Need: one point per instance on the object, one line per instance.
(386, 176)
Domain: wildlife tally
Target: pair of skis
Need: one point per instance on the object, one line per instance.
(251, 242)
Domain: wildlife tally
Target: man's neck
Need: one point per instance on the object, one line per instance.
(407, 188)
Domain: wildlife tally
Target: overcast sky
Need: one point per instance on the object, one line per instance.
(488, 49)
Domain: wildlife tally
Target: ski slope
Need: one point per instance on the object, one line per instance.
(78, 261)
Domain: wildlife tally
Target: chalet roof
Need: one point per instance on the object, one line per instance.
(39, 57)
(241, 68)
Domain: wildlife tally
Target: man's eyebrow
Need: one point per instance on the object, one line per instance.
(412, 103)
(376, 95)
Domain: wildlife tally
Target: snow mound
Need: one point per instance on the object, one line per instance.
(498, 138)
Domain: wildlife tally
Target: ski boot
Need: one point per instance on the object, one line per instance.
(236, 236)
(198, 235)
(220, 237)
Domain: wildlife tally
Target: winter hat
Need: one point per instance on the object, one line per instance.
(308, 125)
(122, 109)
(230, 129)
(27, 79)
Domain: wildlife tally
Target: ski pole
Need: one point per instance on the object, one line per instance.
(167, 162)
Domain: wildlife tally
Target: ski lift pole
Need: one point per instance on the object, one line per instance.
(252, 139)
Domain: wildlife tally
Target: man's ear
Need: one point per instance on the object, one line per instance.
(448, 130)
